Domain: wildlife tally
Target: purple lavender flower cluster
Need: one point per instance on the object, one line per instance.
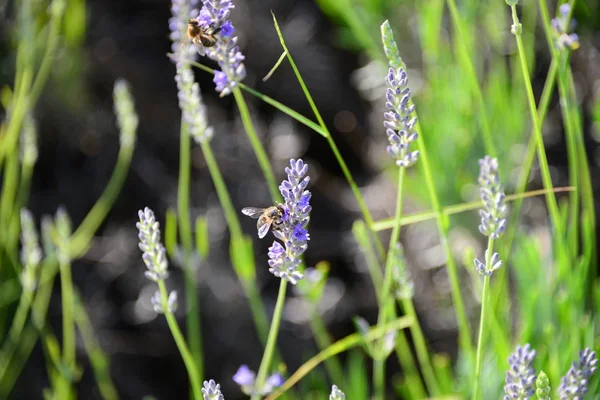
(399, 122)
(181, 10)
(214, 18)
(520, 378)
(191, 104)
(284, 261)
(493, 216)
(561, 26)
(246, 378)
(574, 385)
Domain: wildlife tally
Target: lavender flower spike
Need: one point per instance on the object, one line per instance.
(212, 391)
(561, 27)
(399, 122)
(154, 253)
(284, 261)
(246, 378)
(574, 385)
(520, 378)
(493, 216)
(191, 104)
(336, 394)
(178, 23)
(214, 18)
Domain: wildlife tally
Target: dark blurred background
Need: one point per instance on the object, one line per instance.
(79, 144)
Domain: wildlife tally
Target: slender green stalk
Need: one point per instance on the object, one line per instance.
(68, 319)
(467, 65)
(27, 341)
(421, 348)
(379, 378)
(379, 362)
(16, 329)
(259, 151)
(187, 356)
(257, 307)
(265, 363)
(543, 161)
(323, 340)
(84, 233)
(51, 43)
(443, 225)
(408, 364)
(231, 215)
(353, 186)
(194, 332)
(98, 358)
(482, 321)
(342, 345)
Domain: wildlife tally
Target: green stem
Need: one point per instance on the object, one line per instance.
(16, 329)
(193, 329)
(84, 233)
(471, 74)
(39, 309)
(50, 49)
(379, 379)
(421, 348)
(188, 359)
(259, 151)
(323, 340)
(482, 320)
(443, 225)
(351, 182)
(68, 320)
(543, 161)
(231, 216)
(384, 306)
(265, 363)
(98, 358)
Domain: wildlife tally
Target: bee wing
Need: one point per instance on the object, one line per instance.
(263, 226)
(253, 212)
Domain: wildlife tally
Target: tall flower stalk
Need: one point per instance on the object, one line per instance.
(493, 224)
(195, 123)
(214, 17)
(443, 223)
(399, 121)
(154, 256)
(285, 259)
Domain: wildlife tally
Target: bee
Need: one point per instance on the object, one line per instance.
(202, 36)
(266, 217)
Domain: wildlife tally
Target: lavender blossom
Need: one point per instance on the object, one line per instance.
(154, 253)
(28, 142)
(127, 118)
(191, 104)
(31, 253)
(390, 47)
(284, 261)
(574, 385)
(336, 394)
(561, 27)
(178, 23)
(158, 305)
(520, 378)
(246, 379)
(212, 391)
(493, 216)
(399, 122)
(214, 17)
